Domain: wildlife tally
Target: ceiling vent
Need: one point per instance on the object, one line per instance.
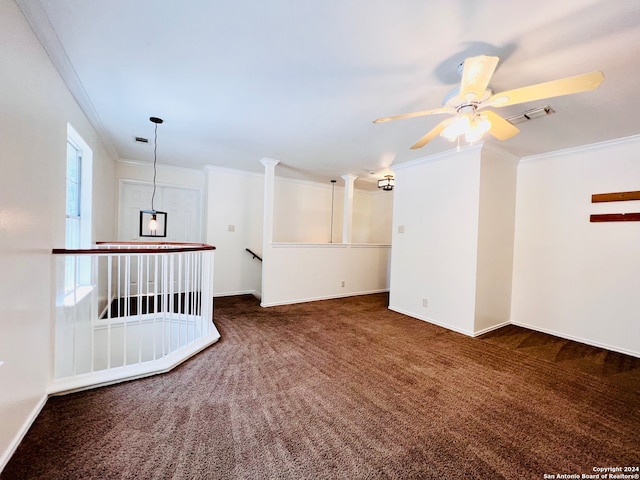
(531, 114)
(142, 140)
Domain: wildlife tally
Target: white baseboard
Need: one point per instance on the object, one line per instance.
(613, 348)
(468, 333)
(490, 329)
(323, 297)
(233, 294)
(13, 446)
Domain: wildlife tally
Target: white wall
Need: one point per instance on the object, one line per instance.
(234, 202)
(372, 216)
(35, 107)
(496, 224)
(573, 278)
(299, 269)
(306, 272)
(302, 211)
(436, 202)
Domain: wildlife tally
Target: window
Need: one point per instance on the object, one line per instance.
(78, 210)
(74, 199)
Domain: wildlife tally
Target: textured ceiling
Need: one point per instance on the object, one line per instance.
(301, 81)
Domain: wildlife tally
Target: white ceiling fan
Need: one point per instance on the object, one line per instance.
(473, 95)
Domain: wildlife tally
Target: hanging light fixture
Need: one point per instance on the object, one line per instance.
(387, 183)
(153, 223)
(469, 123)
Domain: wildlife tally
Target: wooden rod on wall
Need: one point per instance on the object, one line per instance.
(615, 217)
(615, 196)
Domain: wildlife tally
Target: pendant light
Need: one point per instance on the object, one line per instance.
(153, 223)
(387, 183)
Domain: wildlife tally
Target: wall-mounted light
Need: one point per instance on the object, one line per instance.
(387, 183)
(153, 223)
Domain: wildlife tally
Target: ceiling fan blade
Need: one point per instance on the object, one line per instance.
(415, 114)
(432, 134)
(500, 128)
(476, 75)
(555, 88)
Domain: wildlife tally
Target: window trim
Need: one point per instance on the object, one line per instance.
(86, 201)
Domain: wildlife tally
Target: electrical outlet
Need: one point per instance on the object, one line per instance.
(400, 228)
(425, 303)
(342, 283)
(231, 228)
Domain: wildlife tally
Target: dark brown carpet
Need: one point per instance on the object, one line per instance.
(343, 389)
(615, 367)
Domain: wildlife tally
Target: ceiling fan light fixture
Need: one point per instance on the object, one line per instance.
(458, 126)
(477, 128)
(473, 94)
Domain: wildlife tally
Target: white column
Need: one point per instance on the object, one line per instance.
(269, 188)
(347, 219)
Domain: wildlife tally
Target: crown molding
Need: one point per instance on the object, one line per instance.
(234, 171)
(164, 166)
(37, 18)
(437, 156)
(583, 148)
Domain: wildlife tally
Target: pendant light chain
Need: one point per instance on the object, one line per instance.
(157, 221)
(155, 154)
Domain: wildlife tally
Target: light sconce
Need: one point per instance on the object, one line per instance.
(387, 183)
(153, 223)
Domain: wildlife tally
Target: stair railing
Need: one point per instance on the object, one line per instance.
(255, 255)
(125, 310)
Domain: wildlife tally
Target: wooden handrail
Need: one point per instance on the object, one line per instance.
(145, 247)
(134, 309)
(255, 255)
